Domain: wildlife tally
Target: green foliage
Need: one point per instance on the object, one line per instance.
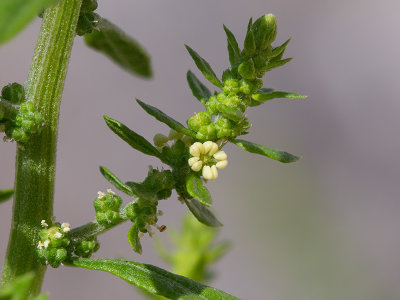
(202, 213)
(233, 47)
(204, 67)
(16, 14)
(135, 140)
(118, 46)
(6, 194)
(197, 190)
(153, 279)
(278, 155)
(111, 178)
(199, 90)
(265, 95)
(18, 289)
(162, 117)
(194, 251)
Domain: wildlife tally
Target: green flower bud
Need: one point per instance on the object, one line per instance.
(86, 248)
(160, 140)
(88, 6)
(207, 133)
(224, 127)
(212, 105)
(265, 30)
(260, 65)
(13, 92)
(249, 44)
(198, 120)
(231, 86)
(250, 86)
(247, 70)
(87, 22)
(107, 208)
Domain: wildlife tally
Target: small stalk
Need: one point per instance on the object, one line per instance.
(35, 163)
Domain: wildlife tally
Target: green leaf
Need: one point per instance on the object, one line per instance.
(41, 297)
(278, 155)
(202, 213)
(18, 289)
(279, 50)
(278, 63)
(197, 190)
(199, 90)
(134, 240)
(135, 140)
(119, 47)
(162, 117)
(265, 96)
(114, 180)
(153, 279)
(6, 194)
(16, 14)
(233, 47)
(204, 67)
(140, 190)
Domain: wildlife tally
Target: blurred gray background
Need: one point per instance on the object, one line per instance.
(325, 227)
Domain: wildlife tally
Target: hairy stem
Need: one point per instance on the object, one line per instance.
(35, 164)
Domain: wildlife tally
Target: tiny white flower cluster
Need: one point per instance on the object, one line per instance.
(206, 157)
(65, 227)
(160, 140)
(101, 195)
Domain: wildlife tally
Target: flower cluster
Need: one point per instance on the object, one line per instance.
(53, 246)
(206, 157)
(88, 20)
(107, 208)
(18, 119)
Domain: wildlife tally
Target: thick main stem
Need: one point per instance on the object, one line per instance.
(35, 164)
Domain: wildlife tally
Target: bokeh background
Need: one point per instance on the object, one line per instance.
(325, 227)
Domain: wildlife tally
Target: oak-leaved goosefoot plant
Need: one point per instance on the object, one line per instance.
(190, 156)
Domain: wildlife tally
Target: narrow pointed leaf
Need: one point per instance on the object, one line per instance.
(204, 67)
(16, 14)
(202, 213)
(217, 252)
(134, 240)
(139, 190)
(199, 90)
(6, 194)
(265, 96)
(153, 279)
(249, 24)
(162, 117)
(233, 47)
(135, 140)
(275, 64)
(120, 48)
(279, 50)
(278, 155)
(197, 190)
(114, 180)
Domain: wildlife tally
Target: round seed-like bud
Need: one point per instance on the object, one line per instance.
(13, 92)
(196, 149)
(214, 172)
(247, 70)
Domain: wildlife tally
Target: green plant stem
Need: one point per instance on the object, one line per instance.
(35, 165)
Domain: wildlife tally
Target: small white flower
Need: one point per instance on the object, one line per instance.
(44, 224)
(100, 195)
(206, 157)
(46, 243)
(40, 245)
(110, 191)
(66, 227)
(58, 235)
